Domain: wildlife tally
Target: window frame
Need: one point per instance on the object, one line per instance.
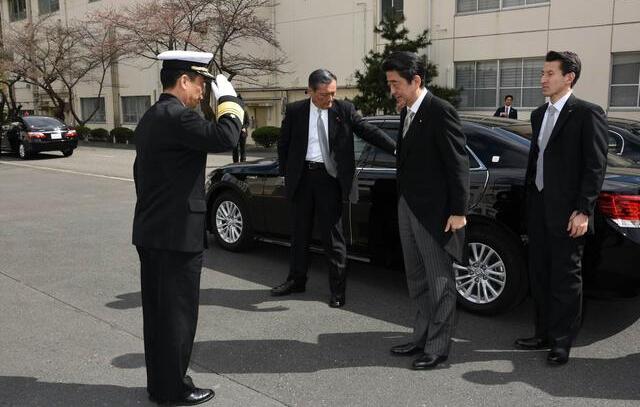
(19, 14)
(517, 92)
(612, 85)
(124, 114)
(501, 7)
(101, 100)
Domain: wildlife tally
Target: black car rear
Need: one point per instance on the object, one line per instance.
(33, 134)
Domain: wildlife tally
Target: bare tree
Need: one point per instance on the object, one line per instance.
(56, 57)
(232, 30)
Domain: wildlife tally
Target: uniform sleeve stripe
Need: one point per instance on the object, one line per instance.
(231, 108)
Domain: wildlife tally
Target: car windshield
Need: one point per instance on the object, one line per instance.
(42, 122)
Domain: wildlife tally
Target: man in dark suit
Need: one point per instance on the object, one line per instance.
(316, 158)
(567, 163)
(172, 142)
(507, 110)
(433, 192)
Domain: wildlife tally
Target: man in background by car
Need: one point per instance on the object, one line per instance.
(566, 168)
(507, 110)
(316, 158)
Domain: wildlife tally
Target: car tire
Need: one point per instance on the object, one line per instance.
(230, 222)
(496, 278)
(67, 153)
(23, 151)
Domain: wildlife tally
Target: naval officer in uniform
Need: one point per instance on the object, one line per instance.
(172, 142)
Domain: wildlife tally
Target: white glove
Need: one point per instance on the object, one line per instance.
(222, 87)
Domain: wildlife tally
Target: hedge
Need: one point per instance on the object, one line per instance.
(122, 135)
(83, 132)
(266, 136)
(100, 134)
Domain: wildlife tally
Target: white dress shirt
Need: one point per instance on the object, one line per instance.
(313, 147)
(416, 105)
(558, 106)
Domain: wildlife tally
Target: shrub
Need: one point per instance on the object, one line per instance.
(99, 134)
(266, 136)
(122, 135)
(83, 132)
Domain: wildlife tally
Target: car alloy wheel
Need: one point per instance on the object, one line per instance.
(229, 222)
(484, 279)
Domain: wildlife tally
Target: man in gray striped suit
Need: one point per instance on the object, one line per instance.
(433, 192)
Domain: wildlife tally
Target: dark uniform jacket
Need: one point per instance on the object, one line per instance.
(575, 161)
(433, 170)
(172, 142)
(343, 121)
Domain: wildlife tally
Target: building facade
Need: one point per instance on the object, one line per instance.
(489, 48)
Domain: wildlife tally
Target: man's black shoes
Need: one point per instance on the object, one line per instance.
(533, 343)
(407, 349)
(558, 356)
(427, 361)
(287, 288)
(336, 301)
(190, 398)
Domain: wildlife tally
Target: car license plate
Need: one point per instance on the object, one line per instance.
(56, 135)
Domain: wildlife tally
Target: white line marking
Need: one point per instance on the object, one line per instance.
(37, 167)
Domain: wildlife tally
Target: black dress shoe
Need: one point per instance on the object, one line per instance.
(427, 361)
(287, 288)
(190, 398)
(336, 301)
(558, 356)
(533, 343)
(406, 349)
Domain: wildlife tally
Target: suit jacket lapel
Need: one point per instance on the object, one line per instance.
(562, 119)
(334, 119)
(304, 124)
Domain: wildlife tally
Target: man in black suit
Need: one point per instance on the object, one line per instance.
(433, 192)
(172, 142)
(567, 163)
(316, 158)
(507, 110)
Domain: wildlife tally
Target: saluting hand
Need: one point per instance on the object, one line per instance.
(222, 87)
(455, 222)
(578, 224)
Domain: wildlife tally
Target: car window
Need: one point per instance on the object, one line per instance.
(616, 142)
(359, 145)
(41, 122)
(497, 148)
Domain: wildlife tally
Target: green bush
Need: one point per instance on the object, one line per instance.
(266, 136)
(83, 132)
(122, 134)
(100, 134)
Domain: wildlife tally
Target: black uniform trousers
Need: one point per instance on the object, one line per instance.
(170, 296)
(239, 150)
(318, 194)
(555, 263)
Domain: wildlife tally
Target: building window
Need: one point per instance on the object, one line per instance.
(48, 6)
(625, 80)
(392, 6)
(89, 106)
(133, 107)
(485, 83)
(474, 6)
(17, 10)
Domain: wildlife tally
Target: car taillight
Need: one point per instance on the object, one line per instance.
(623, 210)
(72, 133)
(35, 135)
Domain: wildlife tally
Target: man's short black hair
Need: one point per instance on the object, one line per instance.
(321, 77)
(169, 77)
(407, 64)
(508, 96)
(569, 62)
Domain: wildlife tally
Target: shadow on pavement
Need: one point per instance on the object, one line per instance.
(29, 391)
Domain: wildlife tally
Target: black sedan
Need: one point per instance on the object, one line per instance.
(33, 134)
(246, 202)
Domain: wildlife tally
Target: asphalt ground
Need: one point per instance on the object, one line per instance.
(71, 322)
